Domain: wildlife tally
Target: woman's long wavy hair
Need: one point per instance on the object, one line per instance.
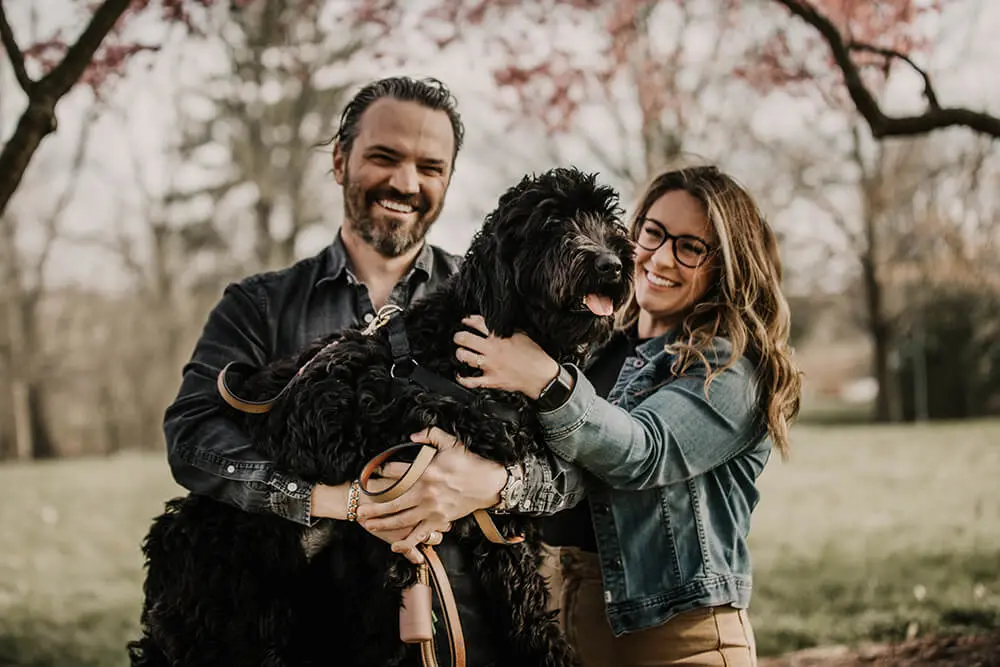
(745, 305)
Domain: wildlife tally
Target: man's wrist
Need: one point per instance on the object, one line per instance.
(330, 502)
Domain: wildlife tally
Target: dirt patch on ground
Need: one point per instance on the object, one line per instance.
(959, 651)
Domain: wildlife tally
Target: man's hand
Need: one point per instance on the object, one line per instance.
(455, 484)
(331, 502)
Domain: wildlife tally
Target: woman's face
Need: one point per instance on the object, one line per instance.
(665, 288)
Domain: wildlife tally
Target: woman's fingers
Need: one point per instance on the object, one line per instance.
(469, 357)
(477, 322)
(470, 341)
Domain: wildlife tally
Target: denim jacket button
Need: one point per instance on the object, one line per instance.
(638, 363)
(230, 469)
(292, 487)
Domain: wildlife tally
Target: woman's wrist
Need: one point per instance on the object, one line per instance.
(537, 382)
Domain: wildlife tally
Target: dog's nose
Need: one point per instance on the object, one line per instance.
(608, 265)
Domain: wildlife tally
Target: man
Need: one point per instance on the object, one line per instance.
(394, 154)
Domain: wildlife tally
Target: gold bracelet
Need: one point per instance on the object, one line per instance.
(353, 499)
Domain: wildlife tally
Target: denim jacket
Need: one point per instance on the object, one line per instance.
(677, 472)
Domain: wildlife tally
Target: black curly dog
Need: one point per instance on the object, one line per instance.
(225, 587)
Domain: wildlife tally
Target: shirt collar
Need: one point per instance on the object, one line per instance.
(338, 263)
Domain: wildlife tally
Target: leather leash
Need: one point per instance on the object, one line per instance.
(438, 574)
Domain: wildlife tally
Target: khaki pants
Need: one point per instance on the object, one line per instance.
(708, 637)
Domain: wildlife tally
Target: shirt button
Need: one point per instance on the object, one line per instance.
(368, 318)
(293, 487)
(230, 468)
(526, 504)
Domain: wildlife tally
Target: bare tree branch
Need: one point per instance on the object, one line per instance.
(890, 54)
(51, 222)
(39, 119)
(14, 53)
(934, 118)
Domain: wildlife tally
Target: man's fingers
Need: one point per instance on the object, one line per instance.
(393, 470)
(372, 509)
(423, 533)
(410, 517)
(435, 436)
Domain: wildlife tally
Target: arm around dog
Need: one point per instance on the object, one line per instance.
(679, 431)
(208, 453)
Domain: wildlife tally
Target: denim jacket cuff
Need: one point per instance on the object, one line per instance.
(291, 499)
(563, 421)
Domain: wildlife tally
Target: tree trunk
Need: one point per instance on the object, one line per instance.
(264, 242)
(880, 333)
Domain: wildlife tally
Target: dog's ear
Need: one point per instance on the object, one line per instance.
(490, 285)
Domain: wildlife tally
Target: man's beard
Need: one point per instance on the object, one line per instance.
(388, 235)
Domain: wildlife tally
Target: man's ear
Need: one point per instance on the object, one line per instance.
(339, 163)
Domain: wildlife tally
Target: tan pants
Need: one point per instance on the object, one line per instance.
(708, 637)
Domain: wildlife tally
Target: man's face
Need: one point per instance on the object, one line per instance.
(396, 174)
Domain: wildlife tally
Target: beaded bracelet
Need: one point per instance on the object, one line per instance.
(353, 499)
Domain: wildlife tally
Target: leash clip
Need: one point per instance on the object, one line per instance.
(383, 316)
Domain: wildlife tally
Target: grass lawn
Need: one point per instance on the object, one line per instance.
(866, 533)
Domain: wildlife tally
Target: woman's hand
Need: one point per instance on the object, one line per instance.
(514, 364)
(455, 484)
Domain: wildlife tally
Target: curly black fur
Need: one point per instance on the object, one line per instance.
(225, 587)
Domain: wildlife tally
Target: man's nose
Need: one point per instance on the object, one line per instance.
(404, 179)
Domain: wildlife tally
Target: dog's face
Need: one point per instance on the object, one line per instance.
(554, 260)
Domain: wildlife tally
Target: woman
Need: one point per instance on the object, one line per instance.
(699, 385)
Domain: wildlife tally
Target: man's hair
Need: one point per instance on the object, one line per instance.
(428, 92)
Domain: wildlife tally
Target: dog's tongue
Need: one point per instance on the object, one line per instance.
(599, 304)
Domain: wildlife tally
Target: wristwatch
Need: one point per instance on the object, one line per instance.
(513, 489)
(557, 391)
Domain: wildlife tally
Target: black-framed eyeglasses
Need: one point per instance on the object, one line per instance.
(689, 251)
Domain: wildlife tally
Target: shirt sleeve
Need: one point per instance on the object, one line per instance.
(550, 485)
(207, 451)
(681, 430)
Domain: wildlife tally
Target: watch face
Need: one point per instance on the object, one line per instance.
(515, 491)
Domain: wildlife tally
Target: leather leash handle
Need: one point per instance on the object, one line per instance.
(404, 483)
(243, 405)
(259, 407)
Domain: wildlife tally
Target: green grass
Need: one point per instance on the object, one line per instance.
(866, 533)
